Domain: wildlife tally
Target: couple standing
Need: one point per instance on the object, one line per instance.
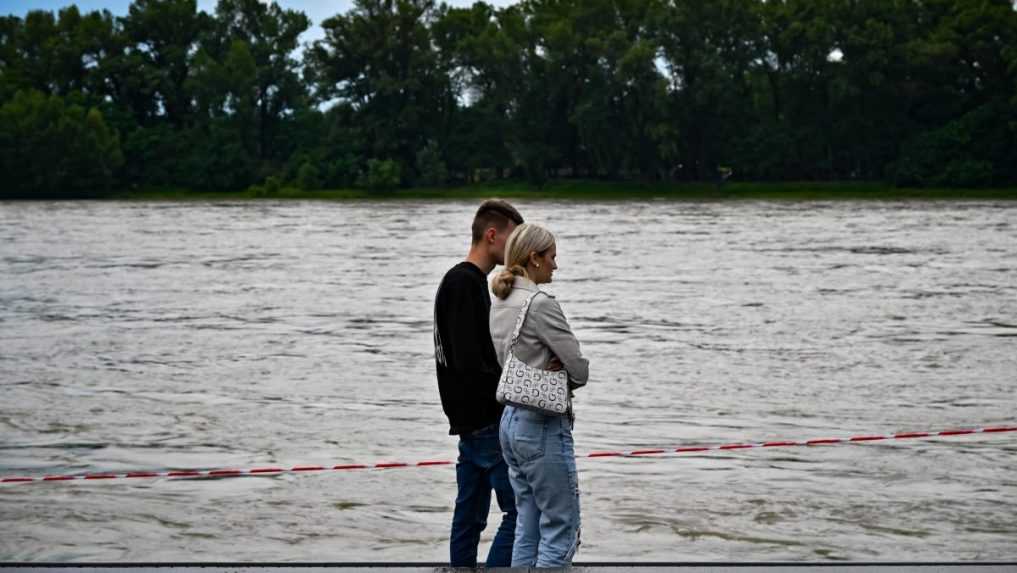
(527, 457)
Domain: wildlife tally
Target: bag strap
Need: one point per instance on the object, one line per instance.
(522, 318)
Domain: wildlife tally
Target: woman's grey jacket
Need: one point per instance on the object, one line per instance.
(545, 332)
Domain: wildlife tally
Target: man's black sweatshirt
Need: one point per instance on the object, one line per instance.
(468, 369)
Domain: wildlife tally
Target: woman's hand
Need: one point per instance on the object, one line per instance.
(554, 364)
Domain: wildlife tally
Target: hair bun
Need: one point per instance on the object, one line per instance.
(501, 286)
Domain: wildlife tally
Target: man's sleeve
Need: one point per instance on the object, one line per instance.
(468, 328)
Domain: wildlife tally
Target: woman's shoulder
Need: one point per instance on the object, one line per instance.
(545, 302)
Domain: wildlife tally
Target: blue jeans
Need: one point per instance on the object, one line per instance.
(542, 468)
(480, 469)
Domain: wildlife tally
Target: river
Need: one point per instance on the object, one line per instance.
(149, 336)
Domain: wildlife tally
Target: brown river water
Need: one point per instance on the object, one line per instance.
(155, 336)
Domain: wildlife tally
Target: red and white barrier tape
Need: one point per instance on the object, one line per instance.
(225, 473)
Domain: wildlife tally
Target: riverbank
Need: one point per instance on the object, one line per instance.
(603, 191)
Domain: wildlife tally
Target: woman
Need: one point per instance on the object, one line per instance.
(538, 447)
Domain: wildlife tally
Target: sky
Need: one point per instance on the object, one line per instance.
(316, 10)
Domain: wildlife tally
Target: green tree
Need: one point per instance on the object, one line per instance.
(484, 52)
(51, 149)
(625, 100)
(917, 92)
(250, 57)
(381, 175)
(709, 50)
(10, 58)
(431, 166)
(163, 34)
(379, 59)
(308, 177)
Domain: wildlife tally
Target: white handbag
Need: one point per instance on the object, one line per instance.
(522, 385)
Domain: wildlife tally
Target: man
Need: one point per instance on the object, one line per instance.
(468, 373)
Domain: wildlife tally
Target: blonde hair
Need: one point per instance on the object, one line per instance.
(525, 239)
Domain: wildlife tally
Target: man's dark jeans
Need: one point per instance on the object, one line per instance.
(480, 469)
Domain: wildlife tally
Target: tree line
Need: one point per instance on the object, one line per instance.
(410, 93)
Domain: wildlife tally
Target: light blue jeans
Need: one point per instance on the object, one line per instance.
(541, 459)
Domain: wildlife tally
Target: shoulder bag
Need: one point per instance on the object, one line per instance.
(524, 386)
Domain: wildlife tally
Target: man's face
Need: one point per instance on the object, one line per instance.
(500, 237)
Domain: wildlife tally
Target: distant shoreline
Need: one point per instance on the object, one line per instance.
(599, 191)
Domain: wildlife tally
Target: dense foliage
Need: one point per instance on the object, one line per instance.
(406, 92)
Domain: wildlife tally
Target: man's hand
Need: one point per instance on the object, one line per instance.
(554, 364)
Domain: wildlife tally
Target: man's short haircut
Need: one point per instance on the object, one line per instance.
(495, 213)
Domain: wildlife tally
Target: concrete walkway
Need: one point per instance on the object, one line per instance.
(1010, 567)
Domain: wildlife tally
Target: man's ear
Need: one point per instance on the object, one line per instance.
(490, 234)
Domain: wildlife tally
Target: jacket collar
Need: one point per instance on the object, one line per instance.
(524, 284)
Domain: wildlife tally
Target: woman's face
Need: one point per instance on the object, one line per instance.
(542, 267)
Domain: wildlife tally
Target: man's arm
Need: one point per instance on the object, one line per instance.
(468, 333)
